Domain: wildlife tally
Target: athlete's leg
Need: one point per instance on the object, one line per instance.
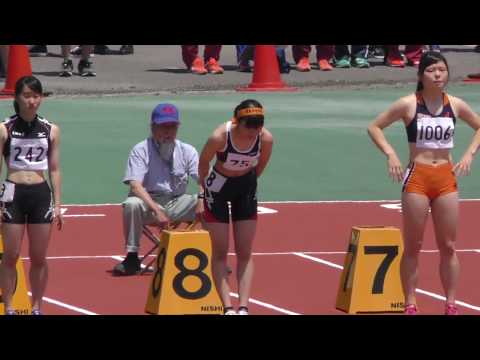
(219, 235)
(445, 220)
(39, 237)
(12, 235)
(415, 213)
(244, 233)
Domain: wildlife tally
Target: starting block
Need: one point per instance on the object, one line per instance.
(20, 299)
(370, 280)
(182, 281)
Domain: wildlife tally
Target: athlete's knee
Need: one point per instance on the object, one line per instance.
(10, 260)
(243, 256)
(37, 261)
(447, 248)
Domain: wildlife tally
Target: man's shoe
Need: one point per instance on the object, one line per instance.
(343, 63)
(303, 64)
(85, 68)
(126, 50)
(361, 63)
(213, 67)
(129, 266)
(198, 67)
(38, 50)
(66, 68)
(101, 50)
(324, 65)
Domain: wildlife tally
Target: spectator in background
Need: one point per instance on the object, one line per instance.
(85, 65)
(394, 58)
(246, 54)
(105, 50)
(357, 57)
(197, 65)
(4, 49)
(324, 55)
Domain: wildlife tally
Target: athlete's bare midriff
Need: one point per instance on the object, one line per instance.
(27, 177)
(429, 156)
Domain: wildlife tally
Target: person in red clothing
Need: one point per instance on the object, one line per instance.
(197, 65)
(394, 58)
(324, 54)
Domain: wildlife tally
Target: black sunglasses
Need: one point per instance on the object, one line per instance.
(253, 123)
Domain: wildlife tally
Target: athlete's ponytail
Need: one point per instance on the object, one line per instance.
(32, 82)
(428, 58)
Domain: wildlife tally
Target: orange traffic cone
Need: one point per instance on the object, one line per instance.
(472, 78)
(18, 66)
(266, 72)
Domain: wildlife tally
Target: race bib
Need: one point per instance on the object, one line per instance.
(215, 181)
(7, 191)
(435, 133)
(239, 161)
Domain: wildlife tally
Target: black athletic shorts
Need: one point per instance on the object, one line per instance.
(240, 191)
(32, 204)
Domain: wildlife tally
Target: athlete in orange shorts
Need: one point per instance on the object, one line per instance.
(430, 118)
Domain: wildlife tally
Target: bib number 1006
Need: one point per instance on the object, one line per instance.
(429, 132)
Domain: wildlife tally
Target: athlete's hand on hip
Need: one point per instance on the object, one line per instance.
(395, 170)
(58, 217)
(462, 168)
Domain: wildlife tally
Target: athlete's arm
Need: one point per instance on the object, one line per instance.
(267, 145)
(55, 175)
(215, 143)
(3, 139)
(465, 113)
(396, 112)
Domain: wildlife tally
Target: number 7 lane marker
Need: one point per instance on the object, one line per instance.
(420, 291)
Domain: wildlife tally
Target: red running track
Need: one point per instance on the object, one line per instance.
(298, 252)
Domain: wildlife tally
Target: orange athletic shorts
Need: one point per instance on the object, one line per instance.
(432, 181)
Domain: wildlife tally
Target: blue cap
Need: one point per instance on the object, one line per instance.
(165, 113)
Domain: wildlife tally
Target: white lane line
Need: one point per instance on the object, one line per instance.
(421, 291)
(319, 260)
(120, 257)
(267, 305)
(70, 307)
(289, 202)
(85, 215)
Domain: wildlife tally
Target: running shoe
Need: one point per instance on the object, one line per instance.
(38, 50)
(198, 67)
(361, 63)
(213, 67)
(242, 310)
(10, 312)
(394, 62)
(126, 50)
(410, 309)
(229, 311)
(303, 64)
(451, 309)
(324, 65)
(66, 68)
(85, 68)
(36, 312)
(343, 63)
